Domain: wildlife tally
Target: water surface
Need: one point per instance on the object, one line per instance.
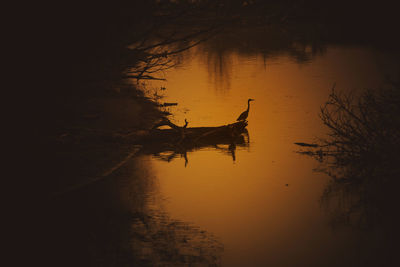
(263, 203)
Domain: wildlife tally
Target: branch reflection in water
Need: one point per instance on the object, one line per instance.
(167, 144)
(160, 241)
(120, 222)
(241, 42)
(361, 156)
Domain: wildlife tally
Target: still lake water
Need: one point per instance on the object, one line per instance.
(264, 205)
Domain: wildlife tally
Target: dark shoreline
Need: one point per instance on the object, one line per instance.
(87, 105)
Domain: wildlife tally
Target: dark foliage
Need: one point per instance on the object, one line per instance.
(361, 154)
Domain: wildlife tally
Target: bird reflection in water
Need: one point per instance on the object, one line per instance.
(232, 149)
(238, 139)
(168, 144)
(228, 148)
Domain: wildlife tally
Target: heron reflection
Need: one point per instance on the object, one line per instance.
(168, 144)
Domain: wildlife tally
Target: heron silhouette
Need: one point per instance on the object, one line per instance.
(245, 113)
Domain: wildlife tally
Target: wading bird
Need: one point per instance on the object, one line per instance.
(245, 113)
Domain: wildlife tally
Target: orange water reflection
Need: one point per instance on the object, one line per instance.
(264, 206)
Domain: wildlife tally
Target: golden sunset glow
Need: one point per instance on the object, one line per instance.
(221, 133)
(246, 202)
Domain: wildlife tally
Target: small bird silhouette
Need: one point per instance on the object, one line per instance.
(245, 113)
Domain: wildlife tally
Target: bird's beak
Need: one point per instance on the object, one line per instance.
(251, 99)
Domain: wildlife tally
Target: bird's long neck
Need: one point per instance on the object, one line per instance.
(248, 105)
